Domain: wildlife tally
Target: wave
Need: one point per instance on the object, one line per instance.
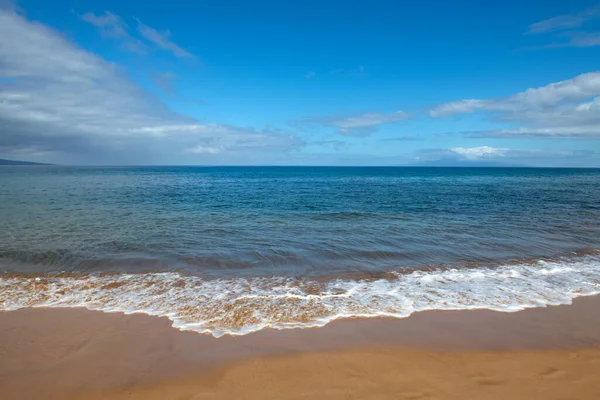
(239, 306)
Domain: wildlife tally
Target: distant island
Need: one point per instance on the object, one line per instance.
(14, 162)
(468, 164)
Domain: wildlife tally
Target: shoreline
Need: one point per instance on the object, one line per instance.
(65, 353)
(240, 306)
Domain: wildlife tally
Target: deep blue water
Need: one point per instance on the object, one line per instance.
(246, 221)
(236, 250)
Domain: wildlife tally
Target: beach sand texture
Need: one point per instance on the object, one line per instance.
(543, 353)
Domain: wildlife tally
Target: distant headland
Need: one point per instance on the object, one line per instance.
(14, 162)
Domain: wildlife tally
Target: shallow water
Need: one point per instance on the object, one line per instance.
(235, 249)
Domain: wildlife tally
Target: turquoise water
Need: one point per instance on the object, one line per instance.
(247, 233)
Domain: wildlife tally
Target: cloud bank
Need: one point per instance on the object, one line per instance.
(57, 99)
(567, 109)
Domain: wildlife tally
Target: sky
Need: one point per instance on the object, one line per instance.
(378, 82)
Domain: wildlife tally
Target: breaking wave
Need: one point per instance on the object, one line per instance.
(239, 306)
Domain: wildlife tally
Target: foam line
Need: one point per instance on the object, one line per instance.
(244, 305)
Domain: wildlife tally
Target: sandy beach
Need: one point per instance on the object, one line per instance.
(278, 200)
(545, 353)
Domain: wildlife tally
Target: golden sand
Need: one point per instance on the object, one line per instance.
(391, 374)
(546, 353)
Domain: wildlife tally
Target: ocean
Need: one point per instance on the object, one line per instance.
(232, 250)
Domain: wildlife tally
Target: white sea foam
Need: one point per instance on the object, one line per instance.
(243, 305)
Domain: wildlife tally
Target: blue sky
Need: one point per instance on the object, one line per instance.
(301, 83)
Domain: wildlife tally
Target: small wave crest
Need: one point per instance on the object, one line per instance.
(240, 306)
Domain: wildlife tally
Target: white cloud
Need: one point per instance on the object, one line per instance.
(368, 120)
(161, 39)
(457, 107)
(556, 23)
(113, 26)
(479, 153)
(56, 98)
(203, 150)
(579, 39)
(492, 156)
(586, 39)
(566, 25)
(580, 132)
(581, 87)
(358, 125)
(567, 108)
(566, 21)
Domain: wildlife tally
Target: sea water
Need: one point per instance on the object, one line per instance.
(232, 250)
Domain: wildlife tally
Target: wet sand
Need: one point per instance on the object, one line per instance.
(545, 353)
